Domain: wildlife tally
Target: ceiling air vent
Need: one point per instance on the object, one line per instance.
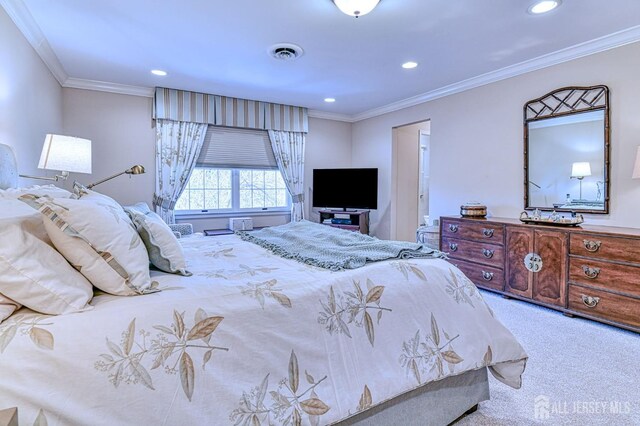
(286, 51)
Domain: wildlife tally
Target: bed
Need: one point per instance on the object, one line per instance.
(251, 338)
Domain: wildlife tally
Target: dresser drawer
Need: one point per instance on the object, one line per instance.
(612, 307)
(487, 254)
(481, 275)
(603, 247)
(479, 231)
(609, 276)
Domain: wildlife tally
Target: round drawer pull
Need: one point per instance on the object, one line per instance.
(591, 273)
(488, 276)
(453, 228)
(487, 232)
(592, 246)
(487, 253)
(453, 247)
(590, 301)
(533, 262)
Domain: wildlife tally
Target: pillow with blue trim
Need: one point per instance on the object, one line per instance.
(165, 252)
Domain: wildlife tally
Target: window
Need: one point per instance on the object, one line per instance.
(217, 190)
(235, 172)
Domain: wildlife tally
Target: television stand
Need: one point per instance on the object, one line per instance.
(358, 220)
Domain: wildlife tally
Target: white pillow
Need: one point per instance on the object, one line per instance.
(7, 307)
(35, 275)
(95, 234)
(41, 190)
(165, 252)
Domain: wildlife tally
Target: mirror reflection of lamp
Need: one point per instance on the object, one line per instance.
(636, 167)
(579, 171)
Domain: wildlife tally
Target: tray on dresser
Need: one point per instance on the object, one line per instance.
(563, 221)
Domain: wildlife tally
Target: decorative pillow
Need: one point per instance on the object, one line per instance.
(165, 252)
(95, 234)
(35, 275)
(7, 307)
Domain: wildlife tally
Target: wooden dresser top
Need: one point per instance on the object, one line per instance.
(596, 229)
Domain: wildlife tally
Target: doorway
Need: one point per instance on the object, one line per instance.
(410, 179)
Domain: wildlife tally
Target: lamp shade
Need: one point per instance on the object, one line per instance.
(356, 7)
(636, 167)
(581, 169)
(66, 153)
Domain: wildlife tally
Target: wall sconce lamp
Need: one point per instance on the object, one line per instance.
(65, 154)
(134, 170)
(579, 171)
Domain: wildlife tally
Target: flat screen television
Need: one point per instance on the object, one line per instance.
(345, 188)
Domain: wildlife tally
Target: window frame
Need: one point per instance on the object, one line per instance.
(235, 200)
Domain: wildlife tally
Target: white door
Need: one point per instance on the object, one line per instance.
(408, 183)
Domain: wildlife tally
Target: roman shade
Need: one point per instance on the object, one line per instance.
(180, 105)
(234, 148)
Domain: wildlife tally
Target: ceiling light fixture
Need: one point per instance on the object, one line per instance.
(356, 8)
(329, 100)
(159, 72)
(544, 6)
(409, 65)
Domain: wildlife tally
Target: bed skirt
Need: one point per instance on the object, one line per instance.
(434, 404)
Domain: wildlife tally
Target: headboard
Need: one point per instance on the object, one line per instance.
(8, 168)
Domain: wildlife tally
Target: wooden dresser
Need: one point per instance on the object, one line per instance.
(590, 271)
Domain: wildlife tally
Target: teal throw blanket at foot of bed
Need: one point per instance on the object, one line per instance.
(332, 248)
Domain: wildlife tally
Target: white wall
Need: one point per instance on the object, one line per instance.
(477, 144)
(122, 132)
(120, 128)
(30, 99)
(328, 146)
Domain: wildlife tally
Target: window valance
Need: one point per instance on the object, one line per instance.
(180, 105)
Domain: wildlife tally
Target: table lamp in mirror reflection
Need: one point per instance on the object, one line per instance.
(636, 166)
(64, 154)
(579, 171)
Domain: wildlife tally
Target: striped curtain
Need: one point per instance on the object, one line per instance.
(180, 105)
(234, 112)
(286, 118)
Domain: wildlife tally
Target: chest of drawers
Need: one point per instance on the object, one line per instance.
(590, 271)
(477, 248)
(604, 277)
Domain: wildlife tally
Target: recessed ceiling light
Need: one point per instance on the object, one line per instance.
(159, 72)
(409, 65)
(329, 100)
(544, 6)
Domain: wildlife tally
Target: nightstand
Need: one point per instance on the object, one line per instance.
(9, 417)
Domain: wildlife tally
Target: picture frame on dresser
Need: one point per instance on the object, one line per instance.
(587, 271)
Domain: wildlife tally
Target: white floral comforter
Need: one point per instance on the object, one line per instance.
(252, 339)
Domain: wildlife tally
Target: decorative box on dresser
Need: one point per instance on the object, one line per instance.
(590, 271)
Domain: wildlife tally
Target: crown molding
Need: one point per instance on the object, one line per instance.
(610, 41)
(23, 19)
(105, 86)
(314, 113)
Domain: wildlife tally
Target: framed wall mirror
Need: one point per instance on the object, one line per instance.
(566, 150)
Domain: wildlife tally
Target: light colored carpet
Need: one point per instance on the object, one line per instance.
(589, 372)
